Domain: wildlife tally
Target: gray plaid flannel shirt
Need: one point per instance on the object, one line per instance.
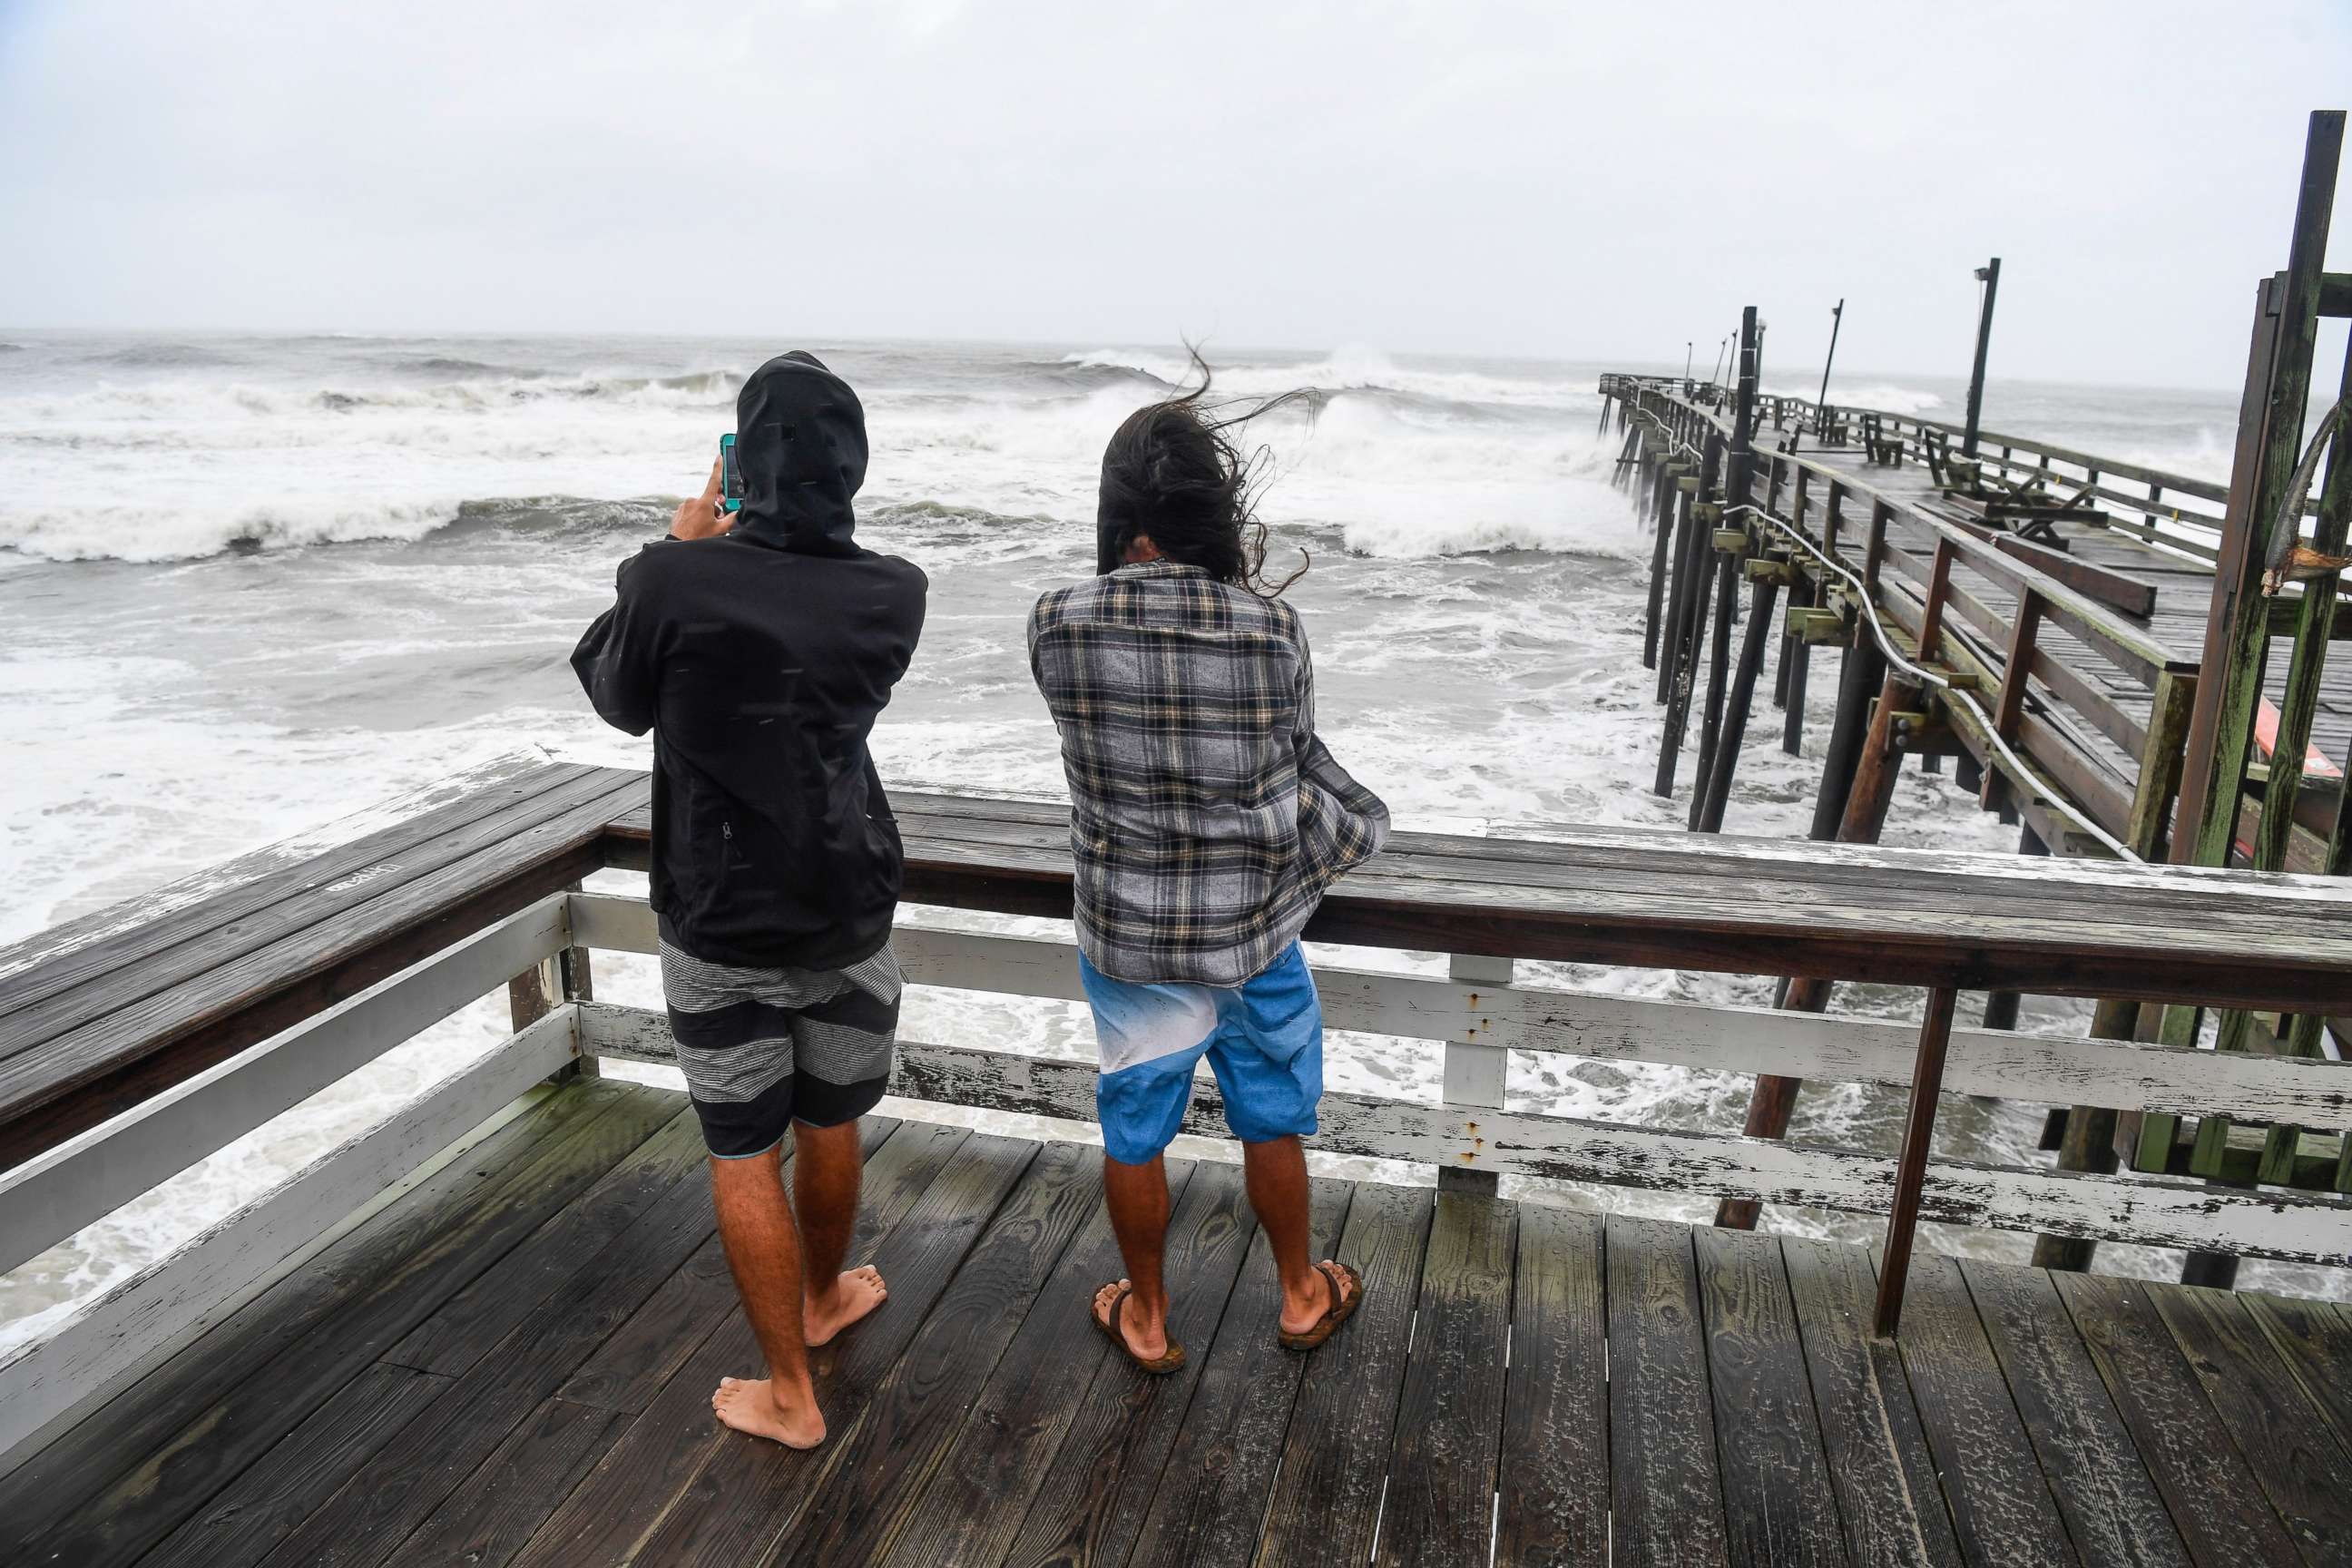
(1206, 819)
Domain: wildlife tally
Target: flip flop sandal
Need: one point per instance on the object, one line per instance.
(1343, 1307)
(1158, 1366)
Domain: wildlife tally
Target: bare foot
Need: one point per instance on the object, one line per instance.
(853, 1296)
(1144, 1334)
(1302, 1313)
(751, 1405)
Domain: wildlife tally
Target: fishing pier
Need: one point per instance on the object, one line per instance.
(2128, 664)
(485, 1331)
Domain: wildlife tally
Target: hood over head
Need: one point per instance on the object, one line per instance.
(800, 440)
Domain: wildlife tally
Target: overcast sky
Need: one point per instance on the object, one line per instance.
(1541, 179)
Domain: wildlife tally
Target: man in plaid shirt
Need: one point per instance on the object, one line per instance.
(1207, 819)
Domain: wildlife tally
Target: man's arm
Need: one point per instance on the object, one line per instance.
(617, 661)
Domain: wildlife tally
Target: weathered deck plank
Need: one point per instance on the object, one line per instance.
(2112, 1509)
(1089, 1504)
(2000, 1500)
(1778, 1504)
(1890, 1501)
(1440, 1507)
(118, 1481)
(1661, 1439)
(626, 1499)
(2206, 1482)
(1326, 1495)
(1554, 1482)
(1210, 1503)
(2303, 1466)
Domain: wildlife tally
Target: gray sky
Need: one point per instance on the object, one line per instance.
(1542, 179)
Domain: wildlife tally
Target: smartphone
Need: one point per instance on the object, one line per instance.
(730, 476)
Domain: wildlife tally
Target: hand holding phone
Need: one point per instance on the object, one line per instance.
(701, 517)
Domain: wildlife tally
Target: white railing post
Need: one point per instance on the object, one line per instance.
(1475, 1070)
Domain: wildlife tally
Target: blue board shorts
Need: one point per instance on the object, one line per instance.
(1264, 1040)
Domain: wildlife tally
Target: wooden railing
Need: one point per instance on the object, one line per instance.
(2176, 512)
(1650, 900)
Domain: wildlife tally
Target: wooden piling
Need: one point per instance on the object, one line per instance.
(1796, 660)
(1716, 794)
(1677, 609)
(2002, 1006)
(1690, 579)
(1719, 668)
(1772, 1100)
(1739, 474)
(1861, 670)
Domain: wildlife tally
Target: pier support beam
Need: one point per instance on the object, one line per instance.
(1690, 625)
(2001, 1006)
(1717, 794)
(1738, 476)
(1796, 660)
(1861, 670)
(1774, 1098)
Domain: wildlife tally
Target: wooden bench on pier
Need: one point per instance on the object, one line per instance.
(485, 1331)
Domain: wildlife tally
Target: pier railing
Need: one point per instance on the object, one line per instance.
(2178, 511)
(131, 1047)
(2021, 643)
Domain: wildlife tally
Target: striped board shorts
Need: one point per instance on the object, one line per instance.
(764, 1048)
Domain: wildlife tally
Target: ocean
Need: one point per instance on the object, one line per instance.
(253, 583)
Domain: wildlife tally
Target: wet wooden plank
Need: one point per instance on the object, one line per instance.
(627, 1497)
(1554, 1475)
(873, 1484)
(116, 1483)
(2212, 1492)
(1779, 1505)
(2001, 1503)
(134, 931)
(434, 1454)
(278, 1491)
(751, 1492)
(974, 1502)
(494, 1510)
(322, 894)
(463, 1327)
(2304, 1468)
(2315, 1339)
(236, 995)
(630, 1367)
(1327, 1494)
(1662, 1443)
(2113, 1512)
(1889, 1497)
(1440, 1504)
(1089, 1503)
(1210, 1494)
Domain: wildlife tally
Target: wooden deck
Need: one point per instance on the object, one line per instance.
(511, 1363)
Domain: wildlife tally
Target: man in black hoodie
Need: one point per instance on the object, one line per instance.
(758, 648)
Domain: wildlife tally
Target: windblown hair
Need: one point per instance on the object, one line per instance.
(1173, 472)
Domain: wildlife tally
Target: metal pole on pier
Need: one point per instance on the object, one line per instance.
(1989, 275)
(1837, 319)
(1714, 378)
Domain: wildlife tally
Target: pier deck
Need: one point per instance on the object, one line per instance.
(512, 1362)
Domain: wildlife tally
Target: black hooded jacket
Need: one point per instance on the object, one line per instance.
(759, 660)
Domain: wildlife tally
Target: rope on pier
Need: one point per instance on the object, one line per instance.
(1894, 657)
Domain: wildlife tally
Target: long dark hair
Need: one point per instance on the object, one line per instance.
(1173, 472)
